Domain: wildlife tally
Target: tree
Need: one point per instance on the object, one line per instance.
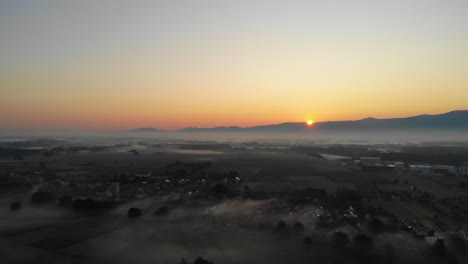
(346, 197)
(201, 260)
(458, 245)
(42, 196)
(220, 190)
(298, 227)
(91, 205)
(162, 211)
(281, 226)
(439, 249)
(65, 200)
(134, 212)
(15, 206)
(363, 241)
(389, 254)
(376, 226)
(339, 239)
(181, 172)
(247, 191)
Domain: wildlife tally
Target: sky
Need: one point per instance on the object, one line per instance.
(106, 65)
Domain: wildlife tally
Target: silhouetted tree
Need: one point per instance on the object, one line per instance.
(438, 249)
(15, 206)
(323, 221)
(91, 205)
(431, 232)
(162, 211)
(389, 254)
(220, 190)
(458, 245)
(339, 239)
(346, 197)
(307, 241)
(134, 212)
(65, 200)
(181, 172)
(42, 196)
(363, 241)
(201, 260)
(376, 226)
(298, 227)
(247, 191)
(281, 226)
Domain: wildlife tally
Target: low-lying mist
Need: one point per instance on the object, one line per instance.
(229, 231)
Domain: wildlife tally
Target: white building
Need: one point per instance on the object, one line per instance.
(461, 171)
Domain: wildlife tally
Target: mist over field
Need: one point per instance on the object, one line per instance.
(234, 132)
(226, 232)
(398, 137)
(266, 201)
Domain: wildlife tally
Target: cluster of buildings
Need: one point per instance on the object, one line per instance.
(376, 164)
(439, 169)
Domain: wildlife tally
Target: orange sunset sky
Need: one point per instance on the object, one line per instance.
(104, 65)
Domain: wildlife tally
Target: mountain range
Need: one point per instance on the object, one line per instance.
(451, 121)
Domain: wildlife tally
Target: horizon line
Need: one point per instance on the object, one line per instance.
(23, 130)
(286, 122)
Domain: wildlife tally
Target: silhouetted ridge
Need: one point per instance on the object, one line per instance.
(451, 121)
(146, 130)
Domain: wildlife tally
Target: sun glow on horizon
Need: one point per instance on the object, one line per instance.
(310, 122)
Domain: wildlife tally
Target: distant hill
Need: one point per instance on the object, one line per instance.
(451, 121)
(145, 130)
(455, 120)
(213, 129)
(33, 143)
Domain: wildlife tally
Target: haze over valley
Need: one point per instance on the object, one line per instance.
(234, 132)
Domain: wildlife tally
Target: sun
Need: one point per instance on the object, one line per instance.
(310, 122)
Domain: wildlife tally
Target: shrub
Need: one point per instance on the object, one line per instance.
(162, 211)
(134, 212)
(15, 206)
